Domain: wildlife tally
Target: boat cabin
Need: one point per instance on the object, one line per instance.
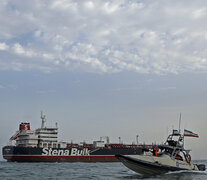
(174, 147)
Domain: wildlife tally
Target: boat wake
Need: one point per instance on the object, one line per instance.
(182, 174)
(187, 172)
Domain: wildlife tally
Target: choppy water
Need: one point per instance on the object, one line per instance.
(108, 171)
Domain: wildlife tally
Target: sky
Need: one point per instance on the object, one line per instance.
(116, 68)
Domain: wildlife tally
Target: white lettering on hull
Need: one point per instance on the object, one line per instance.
(65, 152)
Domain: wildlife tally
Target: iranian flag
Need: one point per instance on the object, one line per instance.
(190, 133)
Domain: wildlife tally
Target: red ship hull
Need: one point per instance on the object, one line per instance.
(22, 158)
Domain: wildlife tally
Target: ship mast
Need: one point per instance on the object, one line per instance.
(43, 120)
(179, 122)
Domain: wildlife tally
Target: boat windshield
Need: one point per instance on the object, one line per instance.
(175, 140)
(174, 146)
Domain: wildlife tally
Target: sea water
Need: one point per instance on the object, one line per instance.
(108, 171)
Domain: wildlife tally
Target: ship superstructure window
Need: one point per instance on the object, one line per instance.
(49, 135)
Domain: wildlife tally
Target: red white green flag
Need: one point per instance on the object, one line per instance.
(190, 133)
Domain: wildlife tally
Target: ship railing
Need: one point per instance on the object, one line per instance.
(10, 143)
(53, 144)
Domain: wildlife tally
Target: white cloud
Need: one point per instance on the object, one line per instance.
(90, 5)
(3, 47)
(63, 5)
(18, 49)
(199, 13)
(110, 7)
(47, 56)
(104, 36)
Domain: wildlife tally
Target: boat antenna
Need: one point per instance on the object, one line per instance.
(179, 122)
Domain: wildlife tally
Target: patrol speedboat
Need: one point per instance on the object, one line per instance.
(170, 156)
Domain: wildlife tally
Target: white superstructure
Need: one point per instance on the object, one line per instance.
(27, 139)
(41, 137)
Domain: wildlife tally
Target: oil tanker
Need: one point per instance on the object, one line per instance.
(42, 145)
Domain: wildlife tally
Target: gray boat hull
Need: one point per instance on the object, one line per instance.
(146, 168)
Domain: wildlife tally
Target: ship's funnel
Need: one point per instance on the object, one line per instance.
(24, 126)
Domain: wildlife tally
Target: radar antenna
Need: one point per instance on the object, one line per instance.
(43, 117)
